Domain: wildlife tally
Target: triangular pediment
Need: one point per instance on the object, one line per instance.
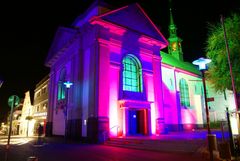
(134, 18)
(62, 37)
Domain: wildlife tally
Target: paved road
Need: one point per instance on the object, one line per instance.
(62, 151)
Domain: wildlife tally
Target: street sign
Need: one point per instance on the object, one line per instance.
(211, 99)
(15, 99)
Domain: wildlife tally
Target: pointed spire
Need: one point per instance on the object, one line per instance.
(172, 26)
(171, 18)
(174, 48)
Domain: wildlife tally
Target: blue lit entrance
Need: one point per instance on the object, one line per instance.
(137, 122)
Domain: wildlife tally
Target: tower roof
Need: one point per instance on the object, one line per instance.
(172, 27)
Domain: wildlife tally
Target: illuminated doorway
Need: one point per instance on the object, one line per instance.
(137, 122)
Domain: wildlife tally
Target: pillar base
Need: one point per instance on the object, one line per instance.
(49, 129)
(161, 128)
(97, 129)
(212, 141)
(74, 129)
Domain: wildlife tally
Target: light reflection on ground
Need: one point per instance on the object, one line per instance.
(15, 140)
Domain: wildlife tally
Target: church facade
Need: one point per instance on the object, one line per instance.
(123, 84)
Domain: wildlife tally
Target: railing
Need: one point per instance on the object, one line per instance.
(116, 126)
(105, 133)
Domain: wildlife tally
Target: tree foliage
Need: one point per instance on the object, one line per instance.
(219, 73)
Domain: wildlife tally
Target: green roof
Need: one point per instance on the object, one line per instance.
(170, 60)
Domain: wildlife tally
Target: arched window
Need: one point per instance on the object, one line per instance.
(170, 84)
(61, 86)
(132, 74)
(184, 93)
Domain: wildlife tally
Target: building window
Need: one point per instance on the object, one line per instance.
(37, 108)
(170, 84)
(44, 106)
(224, 94)
(44, 90)
(132, 74)
(61, 86)
(61, 90)
(184, 93)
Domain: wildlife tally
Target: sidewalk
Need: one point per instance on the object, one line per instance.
(55, 149)
(54, 146)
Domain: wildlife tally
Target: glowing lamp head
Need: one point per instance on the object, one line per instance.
(68, 84)
(1, 82)
(202, 63)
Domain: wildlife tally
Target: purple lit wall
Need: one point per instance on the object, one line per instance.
(92, 55)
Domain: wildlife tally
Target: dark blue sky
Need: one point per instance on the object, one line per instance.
(27, 30)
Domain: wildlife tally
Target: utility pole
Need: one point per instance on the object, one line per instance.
(229, 63)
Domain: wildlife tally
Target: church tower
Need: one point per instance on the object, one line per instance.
(174, 48)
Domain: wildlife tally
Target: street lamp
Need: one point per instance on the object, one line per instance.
(67, 84)
(202, 64)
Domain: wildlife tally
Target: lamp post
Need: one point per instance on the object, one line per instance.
(65, 111)
(13, 101)
(202, 64)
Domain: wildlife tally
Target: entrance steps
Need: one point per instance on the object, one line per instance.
(145, 143)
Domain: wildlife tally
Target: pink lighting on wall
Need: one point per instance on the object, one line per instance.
(147, 40)
(150, 97)
(189, 116)
(113, 101)
(112, 28)
(170, 107)
(103, 84)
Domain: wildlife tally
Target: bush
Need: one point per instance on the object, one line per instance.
(215, 125)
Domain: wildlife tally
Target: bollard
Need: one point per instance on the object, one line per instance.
(212, 141)
(32, 158)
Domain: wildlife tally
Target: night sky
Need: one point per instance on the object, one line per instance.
(27, 30)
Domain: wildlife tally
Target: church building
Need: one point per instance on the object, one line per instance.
(110, 77)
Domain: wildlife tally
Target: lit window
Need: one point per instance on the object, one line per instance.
(132, 75)
(44, 90)
(170, 84)
(61, 90)
(61, 86)
(184, 93)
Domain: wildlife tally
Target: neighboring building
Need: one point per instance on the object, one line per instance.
(26, 121)
(16, 119)
(123, 83)
(40, 104)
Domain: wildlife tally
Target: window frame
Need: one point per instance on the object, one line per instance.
(131, 74)
(184, 93)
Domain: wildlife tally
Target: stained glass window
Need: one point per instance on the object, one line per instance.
(61, 86)
(61, 90)
(184, 93)
(132, 77)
